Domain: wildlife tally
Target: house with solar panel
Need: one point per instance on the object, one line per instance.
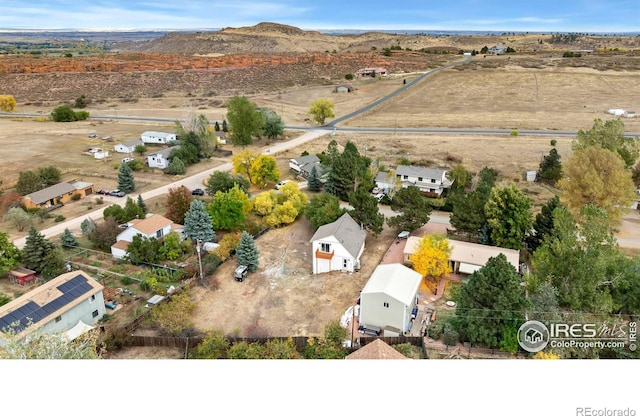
(69, 304)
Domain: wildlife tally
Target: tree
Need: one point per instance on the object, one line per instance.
(67, 240)
(460, 177)
(212, 347)
(242, 163)
(468, 214)
(178, 203)
(596, 176)
(49, 175)
(227, 211)
(35, 251)
(543, 224)
(216, 126)
(20, 218)
(116, 212)
(491, 304)
(264, 168)
(432, 257)
(143, 249)
(265, 202)
(223, 181)
(104, 234)
(9, 254)
(247, 252)
(132, 210)
(323, 209)
(225, 128)
(142, 205)
(28, 182)
(578, 257)
(321, 109)
(544, 303)
(140, 149)
(7, 103)
(365, 210)
(176, 167)
(54, 263)
(126, 182)
(348, 170)
(273, 125)
(245, 119)
(313, 183)
(508, 213)
(81, 102)
(87, 226)
(551, 168)
(610, 136)
(414, 210)
(41, 345)
(64, 113)
(198, 224)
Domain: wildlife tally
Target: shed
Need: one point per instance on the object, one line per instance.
(22, 276)
(531, 175)
(343, 88)
(154, 300)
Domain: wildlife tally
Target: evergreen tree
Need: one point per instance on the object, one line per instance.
(126, 182)
(247, 252)
(176, 167)
(508, 213)
(551, 168)
(543, 224)
(68, 240)
(414, 210)
(198, 224)
(365, 210)
(225, 128)
(35, 251)
(132, 210)
(491, 304)
(314, 184)
(87, 226)
(216, 126)
(53, 264)
(141, 204)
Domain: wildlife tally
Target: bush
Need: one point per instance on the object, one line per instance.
(514, 132)
(126, 280)
(59, 218)
(450, 335)
(435, 330)
(76, 197)
(348, 77)
(554, 142)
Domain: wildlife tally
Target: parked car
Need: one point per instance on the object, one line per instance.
(103, 192)
(379, 197)
(93, 136)
(127, 159)
(117, 193)
(198, 192)
(280, 184)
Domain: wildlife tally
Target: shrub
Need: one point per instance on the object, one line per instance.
(450, 335)
(126, 280)
(76, 197)
(514, 132)
(554, 142)
(100, 201)
(59, 218)
(348, 77)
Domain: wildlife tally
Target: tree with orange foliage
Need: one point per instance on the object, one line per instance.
(432, 257)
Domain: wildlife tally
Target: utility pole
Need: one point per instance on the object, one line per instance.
(199, 249)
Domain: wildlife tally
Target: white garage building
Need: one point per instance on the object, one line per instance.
(388, 298)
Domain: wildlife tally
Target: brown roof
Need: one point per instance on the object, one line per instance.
(376, 350)
(121, 244)
(152, 224)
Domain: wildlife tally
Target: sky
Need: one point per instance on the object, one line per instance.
(584, 16)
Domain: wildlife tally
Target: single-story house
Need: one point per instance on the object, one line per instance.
(21, 276)
(338, 246)
(158, 137)
(372, 72)
(467, 257)
(376, 350)
(388, 298)
(160, 159)
(343, 88)
(56, 306)
(498, 49)
(60, 193)
(154, 226)
(128, 147)
(428, 180)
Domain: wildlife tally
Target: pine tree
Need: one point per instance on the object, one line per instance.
(67, 239)
(176, 167)
(198, 224)
(314, 184)
(224, 126)
(216, 126)
(35, 251)
(141, 204)
(126, 182)
(247, 252)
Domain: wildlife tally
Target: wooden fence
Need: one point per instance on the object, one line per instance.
(467, 351)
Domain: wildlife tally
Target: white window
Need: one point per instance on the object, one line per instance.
(385, 304)
(325, 247)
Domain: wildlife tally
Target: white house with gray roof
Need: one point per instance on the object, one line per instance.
(302, 165)
(127, 147)
(160, 159)
(338, 246)
(158, 137)
(428, 180)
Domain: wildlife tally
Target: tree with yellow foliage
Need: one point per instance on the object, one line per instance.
(7, 103)
(264, 168)
(242, 163)
(264, 202)
(432, 256)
